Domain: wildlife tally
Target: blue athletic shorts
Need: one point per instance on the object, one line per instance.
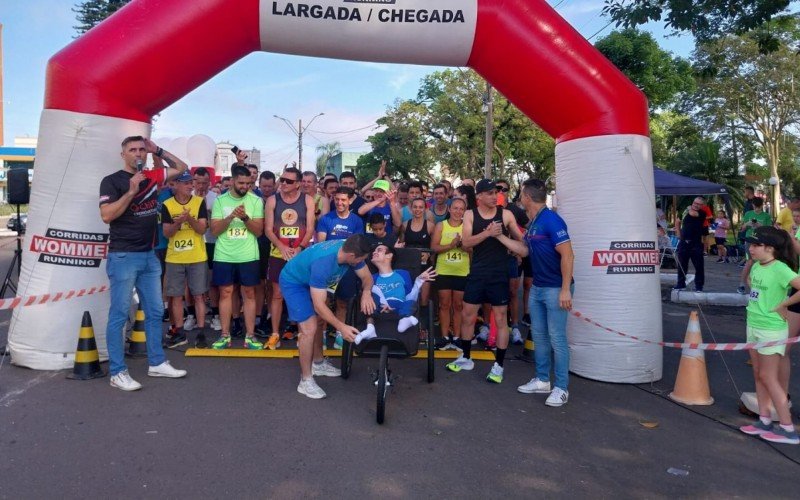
(228, 273)
(298, 301)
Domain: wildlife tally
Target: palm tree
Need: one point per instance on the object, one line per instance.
(326, 152)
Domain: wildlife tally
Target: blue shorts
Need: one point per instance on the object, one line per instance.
(240, 273)
(348, 285)
(298, 301)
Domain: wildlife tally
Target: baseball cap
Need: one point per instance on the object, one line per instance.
(484, 185)
(765, 235)
(383, 185)
(184, 177)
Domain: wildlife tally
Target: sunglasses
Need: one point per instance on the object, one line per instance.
(284, 180)
(502, 189)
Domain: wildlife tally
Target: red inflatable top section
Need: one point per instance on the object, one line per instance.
(149, 54)
(548, 70)
(153, 52)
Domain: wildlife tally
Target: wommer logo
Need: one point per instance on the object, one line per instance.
(628, 257)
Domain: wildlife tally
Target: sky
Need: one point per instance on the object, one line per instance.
(238, 104)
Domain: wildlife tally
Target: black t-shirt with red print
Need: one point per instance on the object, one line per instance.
(135, 229)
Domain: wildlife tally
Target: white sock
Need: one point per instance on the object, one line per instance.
(406, 323)
(368, 333)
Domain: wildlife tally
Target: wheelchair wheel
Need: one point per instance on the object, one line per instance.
(347, 358)
(383, 372)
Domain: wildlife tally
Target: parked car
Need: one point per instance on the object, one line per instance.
(13, 226)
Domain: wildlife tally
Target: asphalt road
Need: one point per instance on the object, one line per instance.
(237, 427)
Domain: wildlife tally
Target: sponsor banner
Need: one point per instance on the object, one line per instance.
(70, 248)
(437, 32)
(628, 257)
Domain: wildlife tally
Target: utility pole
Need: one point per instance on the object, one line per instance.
(488, 107)
(299, 133)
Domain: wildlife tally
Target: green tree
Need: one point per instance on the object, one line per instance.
(90, 13)
(659, 75)
(704, 19)
(705, 161)
(403, 143)
(756, 92)
(324, 153)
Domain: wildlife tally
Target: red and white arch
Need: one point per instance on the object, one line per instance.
(97, 94)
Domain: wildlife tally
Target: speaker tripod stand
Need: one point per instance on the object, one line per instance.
(16, 262)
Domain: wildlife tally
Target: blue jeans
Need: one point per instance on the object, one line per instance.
(549, 331)
(125, 271)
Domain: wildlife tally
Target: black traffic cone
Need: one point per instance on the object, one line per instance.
(87, 360)
(527, 349)
(137, 344)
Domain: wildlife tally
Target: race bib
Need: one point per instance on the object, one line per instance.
(454, 257)
(754, 294)
(183, 245)
(289, 232)
(237, 233)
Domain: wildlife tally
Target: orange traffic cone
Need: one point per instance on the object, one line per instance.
(527, 349)
(691, 385)
(137, 344)
(87, 360)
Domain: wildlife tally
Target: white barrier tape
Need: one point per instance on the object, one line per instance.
(35, 300)
(680, 345)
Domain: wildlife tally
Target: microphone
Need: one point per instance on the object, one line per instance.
(139, 165)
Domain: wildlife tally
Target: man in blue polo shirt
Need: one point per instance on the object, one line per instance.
(551, 256)
(305, 281)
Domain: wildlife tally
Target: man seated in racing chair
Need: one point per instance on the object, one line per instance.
(394, 291)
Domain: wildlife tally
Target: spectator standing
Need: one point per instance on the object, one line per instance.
(758, 217)
(128, 204)
(720, 227)
(691, 232)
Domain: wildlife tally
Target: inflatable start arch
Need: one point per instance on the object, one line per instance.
(109, 83)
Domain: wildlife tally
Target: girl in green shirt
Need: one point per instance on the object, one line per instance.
(773, 273)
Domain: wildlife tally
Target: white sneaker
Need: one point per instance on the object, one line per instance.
(516, 336)
(558, 397)
(496, 374)
(461, 363)
(325, 369)
(123, 380)
(309, 388)
(215, 324)
(189, 323)
(483, 333)
(165, 370)
(535, 386)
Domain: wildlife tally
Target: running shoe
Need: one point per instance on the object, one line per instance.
(558, 397)
(338, 341)
(325, 369)
(309, 388)
(483, 333)
(175, 339)
(441, 344)
(461, 363)
(250, 342)
(496, 374)
(123, 381)
(224, 342)
(756, 429)
(526, 319)
(516, 336)
(189, 323)
(260, 333)
(782, 436)
(216, 325)
(290, 333)
(200, 342)
(274, 342)
(236, 328)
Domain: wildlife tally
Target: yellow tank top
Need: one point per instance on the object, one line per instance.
(453, 262)
(186, 246)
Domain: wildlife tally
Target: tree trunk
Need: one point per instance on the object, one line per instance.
(772, 153)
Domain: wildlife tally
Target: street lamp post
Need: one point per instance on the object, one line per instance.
(299, 133)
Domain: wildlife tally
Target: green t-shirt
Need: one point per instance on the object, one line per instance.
(236, 244)
(763, 218)
(769, 286)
